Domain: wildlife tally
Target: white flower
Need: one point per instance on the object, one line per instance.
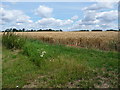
(17, 86)
(43, 52)
(41, 55)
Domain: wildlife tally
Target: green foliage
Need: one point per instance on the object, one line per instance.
(12, 41)
(32, 50)
(16, 71)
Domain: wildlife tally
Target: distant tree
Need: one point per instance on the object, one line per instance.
(60, 30)
(19, 30)
(14, 29)
(96, 30)
(111, 30)
(23, 29)
(7, 30)
(49, 29)
(31, 30)
(10, 30)
(84, 30)
(39, 30)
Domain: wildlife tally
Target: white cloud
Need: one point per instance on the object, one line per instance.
(97, 20)
(108, 16)
(23, 19)
(6, 15)
(88, 19)
(81, 27)
(89, 16)
(93, 17)
(109, 26)
(43, 11)
(74, 17)
(52, 22)
(14, 16)
(96, 16)
(100, 6)
(91, 27)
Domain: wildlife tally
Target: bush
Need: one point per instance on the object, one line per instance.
(12, 41)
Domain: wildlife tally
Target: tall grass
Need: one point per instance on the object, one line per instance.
(12, 41)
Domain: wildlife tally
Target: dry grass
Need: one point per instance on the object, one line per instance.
(100, 40)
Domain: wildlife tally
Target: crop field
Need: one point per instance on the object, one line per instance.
(97, 40)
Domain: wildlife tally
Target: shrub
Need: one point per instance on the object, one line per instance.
(12, 41)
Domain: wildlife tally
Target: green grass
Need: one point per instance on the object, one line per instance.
(60, 67)
(17, 69)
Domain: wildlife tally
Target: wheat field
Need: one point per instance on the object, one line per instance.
(100, 40)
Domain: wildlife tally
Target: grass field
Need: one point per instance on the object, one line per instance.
(31, 63)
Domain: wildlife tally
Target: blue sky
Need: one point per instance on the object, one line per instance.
(67, 16)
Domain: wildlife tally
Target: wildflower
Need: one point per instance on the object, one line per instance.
(41, 55)
(43, 52)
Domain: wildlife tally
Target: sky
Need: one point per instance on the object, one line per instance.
(68, 16)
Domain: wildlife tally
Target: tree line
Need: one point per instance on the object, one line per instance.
(40, 30)
(101, 30)
(32, 30)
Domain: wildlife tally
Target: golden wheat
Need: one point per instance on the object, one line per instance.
(101, 40)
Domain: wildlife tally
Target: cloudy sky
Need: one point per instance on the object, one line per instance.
(67, 16)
